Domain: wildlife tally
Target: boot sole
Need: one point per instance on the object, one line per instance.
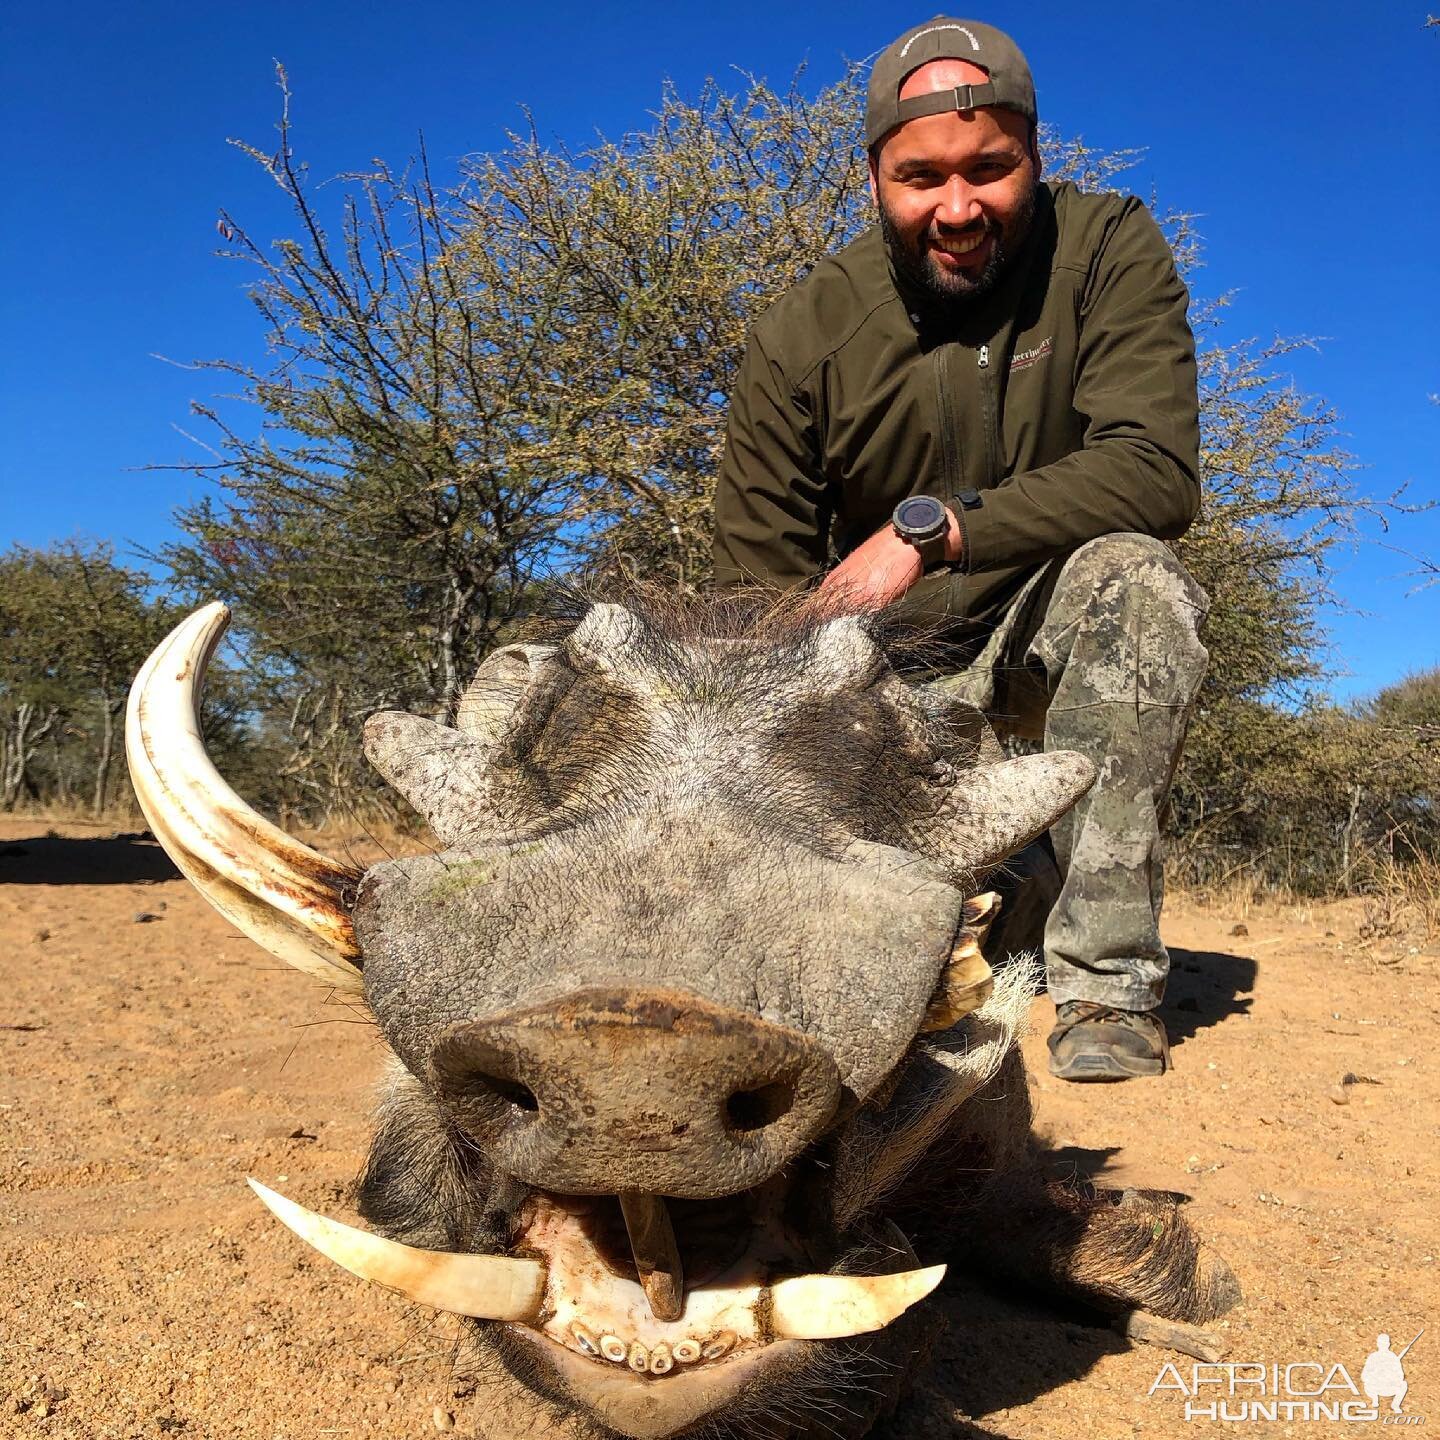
(1102, 1065)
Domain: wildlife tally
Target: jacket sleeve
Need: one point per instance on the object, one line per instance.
(1135, 385)
(772, 517)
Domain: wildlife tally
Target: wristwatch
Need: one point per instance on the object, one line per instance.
(921, 521)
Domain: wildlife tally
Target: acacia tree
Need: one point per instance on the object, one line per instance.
(33, 697)
(74, 628)
(383, 525)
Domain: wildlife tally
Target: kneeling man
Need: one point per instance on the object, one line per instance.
(986, 406)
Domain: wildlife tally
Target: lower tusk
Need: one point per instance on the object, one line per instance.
(489, 1287)
(965, 985)
(657, 1257)
(830, 1307)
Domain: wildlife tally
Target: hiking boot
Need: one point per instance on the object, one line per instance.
(1099, 1042)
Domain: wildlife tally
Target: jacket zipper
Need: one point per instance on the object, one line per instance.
(987, 396)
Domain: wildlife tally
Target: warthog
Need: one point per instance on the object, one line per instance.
(700, 1076)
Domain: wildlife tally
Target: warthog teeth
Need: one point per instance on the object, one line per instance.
(612, 1347)
(686, 1352)
(638, 1358)
(657, 1256)
(722, 1344)
(489, 1287)
(830, 1307)
(660, 1361)
(585, 1338)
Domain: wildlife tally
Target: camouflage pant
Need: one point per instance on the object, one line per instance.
(1100, 653)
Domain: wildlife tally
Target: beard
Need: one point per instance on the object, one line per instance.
(953, 291)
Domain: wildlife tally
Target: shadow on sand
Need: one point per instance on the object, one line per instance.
(124, 859)
(1205, 988)
(996, 1353)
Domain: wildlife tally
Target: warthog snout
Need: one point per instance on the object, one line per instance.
(623, 1088)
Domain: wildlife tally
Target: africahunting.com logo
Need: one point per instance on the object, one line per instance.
(1305, 1390)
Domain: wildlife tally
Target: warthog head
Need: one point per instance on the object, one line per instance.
(680, 1009)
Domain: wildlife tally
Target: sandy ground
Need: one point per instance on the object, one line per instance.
(151, 1058)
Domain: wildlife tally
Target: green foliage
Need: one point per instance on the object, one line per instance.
(74, 628)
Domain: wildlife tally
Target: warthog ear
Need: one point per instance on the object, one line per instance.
(441, 771)
(843, 655)
(994, 810)
(438, 770)
(606, 638)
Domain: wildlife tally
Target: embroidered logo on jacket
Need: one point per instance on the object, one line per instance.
(1023, 359)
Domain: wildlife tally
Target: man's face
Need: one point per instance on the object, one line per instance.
(956, 192)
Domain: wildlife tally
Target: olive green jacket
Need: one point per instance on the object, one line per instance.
(1066, 402)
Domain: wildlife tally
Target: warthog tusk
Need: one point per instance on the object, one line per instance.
(489, 1287)
(282, 894)
(965, 985)
(830, 1307)
(498, 1287)
(657, 1256)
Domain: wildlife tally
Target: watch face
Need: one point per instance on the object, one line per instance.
(920, 517)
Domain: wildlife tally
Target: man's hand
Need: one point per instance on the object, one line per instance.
(880, 570)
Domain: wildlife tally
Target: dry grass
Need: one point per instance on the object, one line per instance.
(77, 812)
(1402, 899)
(1240, 893)
(363, 839)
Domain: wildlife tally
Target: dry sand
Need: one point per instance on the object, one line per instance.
(151, 1058)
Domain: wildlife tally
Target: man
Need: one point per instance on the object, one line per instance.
(1017, 352)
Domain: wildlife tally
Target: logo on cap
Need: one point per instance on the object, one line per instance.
(935, 30)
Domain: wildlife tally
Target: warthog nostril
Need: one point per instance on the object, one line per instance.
(515, 1092)
(755, 1109)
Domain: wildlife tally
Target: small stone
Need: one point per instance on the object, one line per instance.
(1239, 928)
(1340, 1094)
(442, 1419)
(143, 917)
(41, 935)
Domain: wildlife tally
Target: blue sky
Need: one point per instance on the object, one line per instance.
(1304, 132)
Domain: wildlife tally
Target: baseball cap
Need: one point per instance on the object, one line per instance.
(1009, 86)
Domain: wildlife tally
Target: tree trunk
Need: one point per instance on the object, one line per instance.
(107, 754)
(1346, 834)
(22, 739)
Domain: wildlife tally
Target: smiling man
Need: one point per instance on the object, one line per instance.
(983, 411)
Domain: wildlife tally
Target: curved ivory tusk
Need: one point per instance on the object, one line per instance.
(282, 894)
(830, 1307)
(489, 1287)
